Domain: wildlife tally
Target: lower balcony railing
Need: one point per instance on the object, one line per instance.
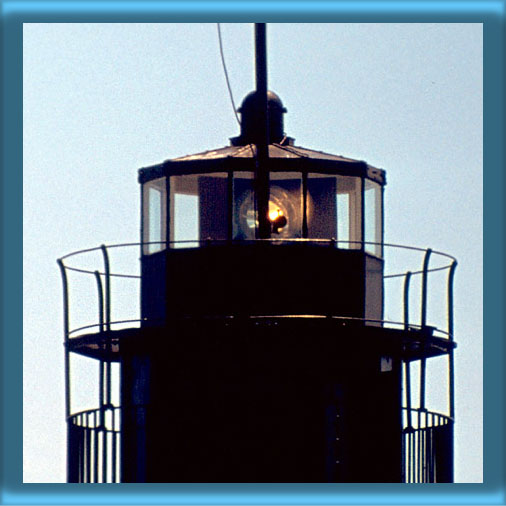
(427, 447)
(94, 447)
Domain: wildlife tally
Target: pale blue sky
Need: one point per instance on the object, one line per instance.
(102, 100)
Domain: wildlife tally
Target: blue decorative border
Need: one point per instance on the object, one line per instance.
(15, 13)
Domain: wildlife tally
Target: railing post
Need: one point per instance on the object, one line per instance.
(418, 448)
(66, 334)
(101, 324)
(107, 274)
(451, 379)
(108, 401)
(101, 433)
(114, 449)
(403, 457)
(407, 279)
(423, 318)
(451, 370)
(71, 475)
(96, 446)
(407, 362)
(87, 450)
(423, 323)
(412, 457)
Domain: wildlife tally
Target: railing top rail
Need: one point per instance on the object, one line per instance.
(119, 408)
(93, 411)
(424, 411)
(452, 259)
(96, 325)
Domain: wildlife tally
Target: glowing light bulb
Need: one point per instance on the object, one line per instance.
(274, 214)
(277, 220)
(282, 214)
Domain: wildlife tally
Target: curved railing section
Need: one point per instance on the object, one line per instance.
(428, 265)
(427, 444)
(94, 446)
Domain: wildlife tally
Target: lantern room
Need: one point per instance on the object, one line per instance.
(315, 200)
(312, 195)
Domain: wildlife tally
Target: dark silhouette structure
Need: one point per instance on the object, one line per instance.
(261, 353)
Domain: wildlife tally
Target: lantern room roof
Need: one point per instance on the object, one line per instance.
(283, 156)
(275, 151)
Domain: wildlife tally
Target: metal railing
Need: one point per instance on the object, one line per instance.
(427, 444)
(94, 446)
(104, 276)
(94, 435)
(104, 288)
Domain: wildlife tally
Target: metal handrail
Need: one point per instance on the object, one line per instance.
(94, 445)
(66, 333)
(451, 364)
(331, 242)
(106, 324)
(433, 414)
(424, 460)
(94, 325)
(106, 303)
(87, 412)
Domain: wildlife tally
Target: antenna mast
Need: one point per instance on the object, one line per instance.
(262, 173)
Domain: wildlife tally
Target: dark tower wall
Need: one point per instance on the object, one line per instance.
(262, 279)
(285, 401)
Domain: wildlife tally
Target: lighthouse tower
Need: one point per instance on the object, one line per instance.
(261, 353)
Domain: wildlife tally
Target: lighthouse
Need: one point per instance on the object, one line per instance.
(261, 352)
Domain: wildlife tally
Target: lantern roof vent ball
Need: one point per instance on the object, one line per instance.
(250, 102)
(251, 117)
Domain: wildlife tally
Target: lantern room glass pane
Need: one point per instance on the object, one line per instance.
(154, 217)
(373, 218)
(334, 209)
(186, 221)
(199, 208)
(321, 206)
(343, 223)
(244, 213)
(155, 211)
(349, 195)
